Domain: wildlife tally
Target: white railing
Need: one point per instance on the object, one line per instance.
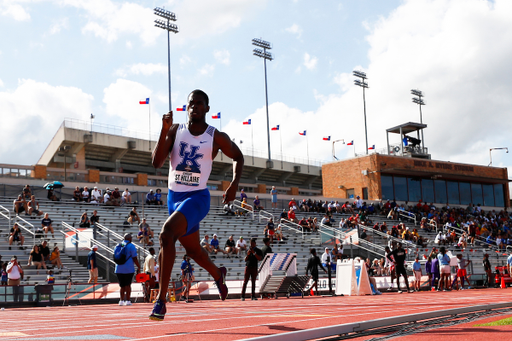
(292, 226)
(361, 243)
(407, 214)
(119, 238)
(4, 212)
(264, 215)
(238, 204)
(388, 237)
(92, 242)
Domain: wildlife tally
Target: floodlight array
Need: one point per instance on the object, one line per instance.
(165, 14)
(261, 43)
(262, 54)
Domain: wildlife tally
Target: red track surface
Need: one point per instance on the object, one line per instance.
(234, 320)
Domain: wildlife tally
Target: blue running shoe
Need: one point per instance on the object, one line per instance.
(221, 284)
(159, 311)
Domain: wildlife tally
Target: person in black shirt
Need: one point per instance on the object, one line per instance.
(266, 249)
(230, 246)
(251, 268)
(270, 230)
(488, 270)
(45, 250)
(95, 218)
(399, 256)
(313, 264)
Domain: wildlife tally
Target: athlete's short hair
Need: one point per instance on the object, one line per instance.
(202, 93)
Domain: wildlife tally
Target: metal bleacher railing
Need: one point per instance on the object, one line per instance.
(336, 233)
(238, 204)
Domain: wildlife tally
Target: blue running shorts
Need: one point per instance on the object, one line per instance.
(193, 205)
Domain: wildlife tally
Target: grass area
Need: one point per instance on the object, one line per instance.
(504, 322)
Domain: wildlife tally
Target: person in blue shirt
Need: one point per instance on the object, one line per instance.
(444, 267)
(214, 243)
(187, 276)
(509, 263)
(243, 195)
(125, 271)
(150, 198)
(158, 197)
(416, 267)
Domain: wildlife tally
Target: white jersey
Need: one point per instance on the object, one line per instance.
(190, 160)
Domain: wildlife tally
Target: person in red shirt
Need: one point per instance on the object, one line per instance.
(292, 204)
(291, 215)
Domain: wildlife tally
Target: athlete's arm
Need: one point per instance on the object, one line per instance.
(230, 149)
(165, 141)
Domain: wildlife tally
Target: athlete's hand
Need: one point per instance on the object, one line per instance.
(167, 121)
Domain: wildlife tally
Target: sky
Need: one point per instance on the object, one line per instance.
(68, 59)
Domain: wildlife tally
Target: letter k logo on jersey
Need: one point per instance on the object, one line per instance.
(189, 158)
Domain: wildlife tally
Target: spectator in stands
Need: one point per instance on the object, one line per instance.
(20, 205)
(273, 193)
(326, 220)
(313, 223)
(96, 197)
(312, 267)
(246, 206)
(279, 233)
(364, 235)
(51, 195)
(254, 255)
(150, 198)
(116, 197)
(228, 209)
(337, 253)
(292, 204)
(216, 247)
(267, 248)
(45, 251)
(125, 271)
(126, 197)
(77, 194)
(187, 276)
(243, 195)
(15, 236)
(257, 204)
(489, 280)
(86, 195)
(327, 259)
(36, 259)
(284, 215)
(84, 220)
(462, 243)
(230, 246)
(133, 216)
(95, 218)
(291, 216)
(55, 258)
(304, 206)
(33, 206)
(145, 235)
(377, 268)
(241, 245)
(270, 230)
(27, 193)
(158, 197)
(108, 200)
(46, 224)
(205, 244)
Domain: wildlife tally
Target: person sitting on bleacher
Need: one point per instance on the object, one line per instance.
(305, 225)
(230, 246)
(15, 235)
(45, 251)
(150, 198)
(55, 258)
(158, 197)
(95, 218)
(20, 205)
(27, 193)
(84, 221)
(33, 206)
(77, 194)
(36, 258)
(257, 204)
(205, 244)
(96, 197)
(215, 246)
(46, 224)
(133, 216)
(126, 197)
(116, 197)
(241, 245)
(228, 209)
(283, 215)
(145, 233)
(291, 215)
(245, 205)
(86, 195)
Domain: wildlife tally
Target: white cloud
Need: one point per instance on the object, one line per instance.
(309, 61)
(184, 60)
(129, 45)
(41, 116)
(58, 25)
(13, 10)
(142, 69)
(1, 84)
(207, 70)
(294, 29)
(222, 57)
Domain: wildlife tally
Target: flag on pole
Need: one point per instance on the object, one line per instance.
(275, 128)
(327, 138)
(146, 101)
(351, 143)
(183, 108)
(303, 134)
(216, 116)
(372, 147)
(248, 122)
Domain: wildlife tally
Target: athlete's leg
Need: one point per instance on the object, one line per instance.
(174, 227)
(198, 254)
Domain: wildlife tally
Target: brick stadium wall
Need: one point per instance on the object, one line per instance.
(348, 173)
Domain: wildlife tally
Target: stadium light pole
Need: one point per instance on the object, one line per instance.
(419, 101)
(490, 155)
(362, 83)
(169, 27)
(265, 45)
